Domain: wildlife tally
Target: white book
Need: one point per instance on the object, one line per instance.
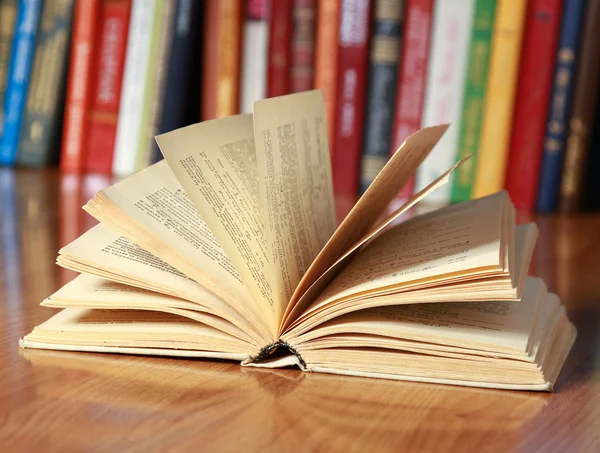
(253, 85)
(131, 107)
(451, 33)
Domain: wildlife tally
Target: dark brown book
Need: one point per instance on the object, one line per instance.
(582, 115)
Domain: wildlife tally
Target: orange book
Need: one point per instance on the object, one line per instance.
(222, 49)
(326, 59)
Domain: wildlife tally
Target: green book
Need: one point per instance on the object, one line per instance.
(473, 103)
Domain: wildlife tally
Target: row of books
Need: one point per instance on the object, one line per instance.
(518, 81)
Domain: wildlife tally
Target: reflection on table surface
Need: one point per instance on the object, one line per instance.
(60, 401)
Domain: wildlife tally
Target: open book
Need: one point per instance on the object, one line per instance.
(229, 249)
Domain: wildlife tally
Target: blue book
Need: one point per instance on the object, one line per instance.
(560, 104)
(381, 88)
(19, 73)
(179, 75)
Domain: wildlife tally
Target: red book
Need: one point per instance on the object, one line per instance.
(353, 55)
(533, 92)
(303, 45)
(106, 91)
(280, 48)
(85, 26)
(412, 78)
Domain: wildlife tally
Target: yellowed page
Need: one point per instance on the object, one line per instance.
(371, 206)
(295, 185)
(215, 162)
(133, 328)
(151, 209)
(88, 291)
(454, 239)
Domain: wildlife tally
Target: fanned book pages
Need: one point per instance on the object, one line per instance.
(229, 249)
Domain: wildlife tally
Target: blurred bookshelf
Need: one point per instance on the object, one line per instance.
(85, 85)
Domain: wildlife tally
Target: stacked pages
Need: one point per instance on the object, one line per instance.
(229, 249)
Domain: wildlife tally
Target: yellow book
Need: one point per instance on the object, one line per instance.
(502, 83)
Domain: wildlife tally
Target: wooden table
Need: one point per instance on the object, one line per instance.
(62, 402)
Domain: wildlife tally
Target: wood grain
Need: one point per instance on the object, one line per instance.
(51, 401)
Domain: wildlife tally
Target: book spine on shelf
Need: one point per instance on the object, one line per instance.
(585, 98)
(106, 92)
(452, 24)
(44, 99)
(560, 103)
(79, 84)
(500, 97)
(253, 82)
(162, 35)
(381, 87)
(222, 58)
(303, 45)
(19, 74)
(179, 69)
(474, 99)
(353, 54)
(8, 14)
(326, 59)
(131, 105)
(592, 180)
(533, 95)
(280, 48)
(412, 77)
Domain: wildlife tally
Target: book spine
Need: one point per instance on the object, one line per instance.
(326, 59)
(228, 75)
(410, 92)
(353, 54)
(592, 180)
(42, 114)
(500, 97)
(19, 73)
(104, 110)
(254, 56)
(533, 95)
(131, 105)
(79, 85)
(303, 46)
(8, 14)
(560, 104)
(383, 69)
(581, 124)
(162, 35)
(474, 99)
(179, 69)
(280, 48)
(444, 93)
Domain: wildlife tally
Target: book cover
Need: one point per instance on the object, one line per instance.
(178, 84)
(353, 57)
(444, 93)
(280, 48)
(222, 46)
(560, 105)
(19, 74)
(45, 99)
(106, 91)
(8, 14)
(135, 80)
(581, 123)
(326, 59)
(386, 42)
(162, 36)
(412, 77)
(500, 98)
(533, 96)
(255, 42)
(303, 45)
(474, 99)
(79, 85)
